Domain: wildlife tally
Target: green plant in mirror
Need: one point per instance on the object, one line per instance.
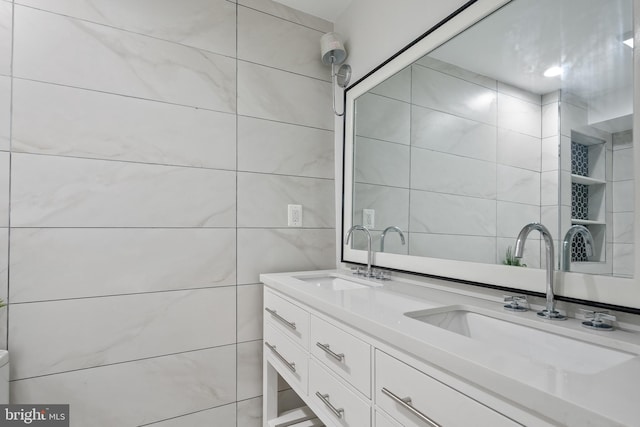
(509, 259)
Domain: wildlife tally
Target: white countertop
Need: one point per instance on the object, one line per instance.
(607, 398)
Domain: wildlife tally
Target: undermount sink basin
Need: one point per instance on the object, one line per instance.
(538, 345)
(332, 283)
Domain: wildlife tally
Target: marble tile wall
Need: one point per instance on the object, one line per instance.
(464, 149)
(148, 151)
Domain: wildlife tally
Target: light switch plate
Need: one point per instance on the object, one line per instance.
(294, 215)
(369, 218)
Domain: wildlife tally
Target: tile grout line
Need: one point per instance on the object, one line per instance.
(236, 216)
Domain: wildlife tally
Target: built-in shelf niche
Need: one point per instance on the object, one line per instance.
(588, 195)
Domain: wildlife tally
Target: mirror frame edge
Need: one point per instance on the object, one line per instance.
(569, 285)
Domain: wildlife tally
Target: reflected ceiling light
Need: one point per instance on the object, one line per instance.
(629, 42)
(553, 71)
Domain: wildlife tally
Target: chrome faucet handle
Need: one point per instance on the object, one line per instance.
(597, 321)
(381, 275)
(517, 303)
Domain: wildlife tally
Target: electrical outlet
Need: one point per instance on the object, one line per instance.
(369, 218)
(294, 216)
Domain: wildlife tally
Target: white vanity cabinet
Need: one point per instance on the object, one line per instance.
(351, 379)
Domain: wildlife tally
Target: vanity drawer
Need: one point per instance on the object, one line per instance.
(288, 318)
(339, 405)
(287, 357)
(383, 420)
(343, 353)
(430, 398)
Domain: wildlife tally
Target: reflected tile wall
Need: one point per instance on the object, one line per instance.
(391, 205)
(382, 163)
(6, 28)
(383, 118)
(124, 201)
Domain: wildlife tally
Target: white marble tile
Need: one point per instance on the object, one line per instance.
(622, 140)
(6, 29)
(565, 188)
(134, 130)
(280, 148)
(565, 153)
(516, 92)
(623, 255)
(117, 261)
(383, 118)
(288, 13)
(450, 214)
(445, 173)
(267, 40)
(249, 369)
(4, 261)
(550, 153)
(263, 199)
(138, 392)
(453, 70)
(4, 188)
(550, 120)
(397, 86)
(549, 188)
(205, 24)
(277, 95)
(280, 250)
(222, 416)
(77, 336)
(551, 97)
(51, 191)
(518, 185)
(572, 117)
(391, 205)
(381, 162)
(72, 52)
(520, 116)
(442, 92)
(519, 150)
(623, 223)
(513, 216)
(250, 313)
(447, 133)
(623, 200)
(460, 248)
(5, 112)
(550, 217)
(250, 412)
(622, 164)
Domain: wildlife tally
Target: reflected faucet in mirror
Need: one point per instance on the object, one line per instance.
(549, 312)
(368, 272)
(566, 244)
(384, 234)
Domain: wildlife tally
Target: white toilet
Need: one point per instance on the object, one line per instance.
(4, 377)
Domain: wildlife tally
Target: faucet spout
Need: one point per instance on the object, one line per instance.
(566, 244)
(549, 312)
(384, 234)
(369, 252)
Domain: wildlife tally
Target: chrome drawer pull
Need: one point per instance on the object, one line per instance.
(275, 314)
(406, 403)
(325, 399)
(290, 365)
(325, 347)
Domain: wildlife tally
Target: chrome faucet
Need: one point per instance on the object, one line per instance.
(368, 273)
(549, 312)
(384, 234)
(566, 244)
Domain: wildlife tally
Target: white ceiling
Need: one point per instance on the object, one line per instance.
(518, 43)
(325, 9)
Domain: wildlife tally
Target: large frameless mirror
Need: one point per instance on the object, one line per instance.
(510, 113)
